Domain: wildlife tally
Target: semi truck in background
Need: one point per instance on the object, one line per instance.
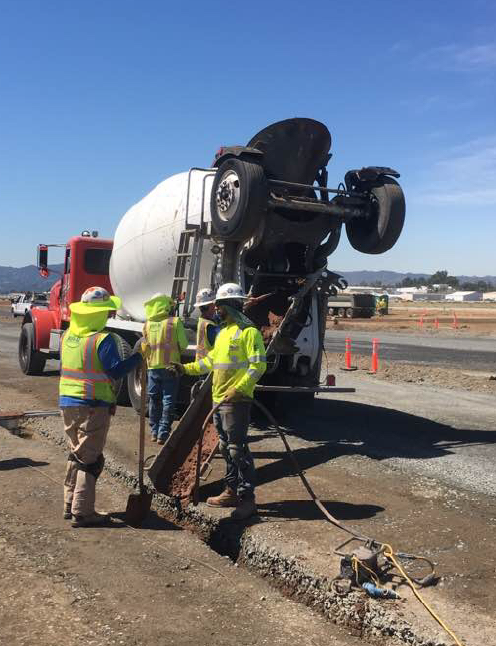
(261, 215)
(352, 305)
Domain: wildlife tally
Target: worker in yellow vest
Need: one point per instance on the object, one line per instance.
(382, 306)
(89, 362)
(237, 361)
(164, 340)
(207, 329)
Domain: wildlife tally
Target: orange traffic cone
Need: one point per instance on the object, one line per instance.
(347, 356)
(375, 357)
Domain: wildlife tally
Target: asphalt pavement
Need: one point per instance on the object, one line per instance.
(462, 352)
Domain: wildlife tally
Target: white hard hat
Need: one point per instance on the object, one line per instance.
(230, 291)
(205, 296)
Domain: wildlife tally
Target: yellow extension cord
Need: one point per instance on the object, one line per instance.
(389, 554)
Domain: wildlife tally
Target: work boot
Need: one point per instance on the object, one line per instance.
(245, 509)
(93, 520)
(67, 511)
(227, 498)
(154, 438)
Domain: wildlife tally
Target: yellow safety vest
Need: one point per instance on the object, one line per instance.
(237, 360)
(161, 336)
(203, 345)
(81, 371)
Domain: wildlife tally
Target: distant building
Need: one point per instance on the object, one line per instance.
(365, 289)
(489, 296)
(419, 296)
(464, 296)
(443, 287)
(411, 290)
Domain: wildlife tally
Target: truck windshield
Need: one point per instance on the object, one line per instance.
(97, 261)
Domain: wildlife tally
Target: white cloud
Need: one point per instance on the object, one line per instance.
(422, 104)
(458, 58)
(464, 176)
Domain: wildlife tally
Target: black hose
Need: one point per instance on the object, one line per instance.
(296, 466)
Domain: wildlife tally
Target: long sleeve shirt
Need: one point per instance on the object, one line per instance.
(237, 359)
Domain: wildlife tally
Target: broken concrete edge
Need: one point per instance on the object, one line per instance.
(364, 617)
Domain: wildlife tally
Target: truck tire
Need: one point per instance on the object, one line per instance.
(31, 361)
(134, 383)
(379, 232)
(349, 312)
(341, 312)
(120, 385)
(238, 199)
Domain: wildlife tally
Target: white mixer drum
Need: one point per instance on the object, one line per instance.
(147, 239)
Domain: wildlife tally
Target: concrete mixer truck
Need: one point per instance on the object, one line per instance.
(261, 215)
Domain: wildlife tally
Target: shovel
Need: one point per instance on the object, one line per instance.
(138, 504)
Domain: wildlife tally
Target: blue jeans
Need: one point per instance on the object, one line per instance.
(162, 391)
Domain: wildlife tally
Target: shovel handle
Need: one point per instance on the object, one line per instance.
(141, 453)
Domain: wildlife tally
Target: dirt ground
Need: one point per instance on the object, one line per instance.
(413, 512)
(156, 585)
(466, 319)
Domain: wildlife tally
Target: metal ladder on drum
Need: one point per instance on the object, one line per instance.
(188, 260)
(187, 269)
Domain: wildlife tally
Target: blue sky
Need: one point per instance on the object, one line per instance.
(99, 101)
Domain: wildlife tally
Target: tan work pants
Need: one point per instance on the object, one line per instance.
(87, 430)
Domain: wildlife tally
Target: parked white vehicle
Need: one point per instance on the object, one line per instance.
(25, 302)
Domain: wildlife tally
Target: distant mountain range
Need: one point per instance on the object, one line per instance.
(25, 279)
(390, 278)
(22, 279)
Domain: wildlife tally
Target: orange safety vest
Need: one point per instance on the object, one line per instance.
(203, 346)
(161, 337)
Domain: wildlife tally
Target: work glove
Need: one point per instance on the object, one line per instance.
(178, 368)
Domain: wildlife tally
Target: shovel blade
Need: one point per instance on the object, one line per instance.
(138, 508)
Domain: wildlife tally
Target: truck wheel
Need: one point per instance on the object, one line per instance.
(120, 385)
(379, 232)
(134, 383)
(341, 312)
(31, 361)
(349, 312)
(238, 199)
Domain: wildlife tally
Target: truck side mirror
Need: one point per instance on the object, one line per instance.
(42, 256)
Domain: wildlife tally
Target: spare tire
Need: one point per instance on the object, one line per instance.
(238, 199)
(378, 232)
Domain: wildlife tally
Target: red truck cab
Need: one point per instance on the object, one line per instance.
(86, 264)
